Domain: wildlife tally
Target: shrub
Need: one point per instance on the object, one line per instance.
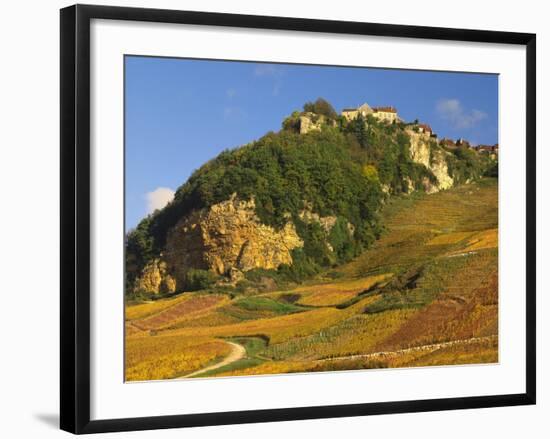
(197, 279)
(492, 170)
(465, 164)
(342, 241)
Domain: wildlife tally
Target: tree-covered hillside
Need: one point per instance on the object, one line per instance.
(344, 170)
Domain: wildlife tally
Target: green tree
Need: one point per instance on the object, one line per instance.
(322, 107)
(139, 250)
(358, 127)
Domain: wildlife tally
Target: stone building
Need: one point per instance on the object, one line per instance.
(350, 113)
(463, 142)
(449, 143)
(385, 114)
(492, 149)
(353, 113)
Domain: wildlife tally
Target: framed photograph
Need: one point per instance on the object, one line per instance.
(268, 219)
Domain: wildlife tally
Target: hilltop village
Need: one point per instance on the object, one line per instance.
(309, 121)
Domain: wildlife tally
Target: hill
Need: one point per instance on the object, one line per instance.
(425, 293)
(291, 204)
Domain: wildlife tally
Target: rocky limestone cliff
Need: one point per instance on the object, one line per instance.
(225, 237)
(155, 278)
(439, 168)
(433, 159)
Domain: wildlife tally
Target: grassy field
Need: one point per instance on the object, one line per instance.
(425, 294)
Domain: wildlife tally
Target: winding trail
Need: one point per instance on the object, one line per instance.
(422, 348)
(237, 353)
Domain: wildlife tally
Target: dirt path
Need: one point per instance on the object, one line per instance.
(238, 352)
(428, 347)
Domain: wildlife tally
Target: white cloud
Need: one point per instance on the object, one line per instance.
(268, 70)
(158, 198)
(452, 111)
(274, 72)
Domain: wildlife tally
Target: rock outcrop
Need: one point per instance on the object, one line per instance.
(313, 122)
(225, 237)
(434, 159)
(326, 222)
(439, 168)
(155, 278)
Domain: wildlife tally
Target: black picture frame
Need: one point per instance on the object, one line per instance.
(75, 217)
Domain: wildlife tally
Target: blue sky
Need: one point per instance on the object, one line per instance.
(181, 113)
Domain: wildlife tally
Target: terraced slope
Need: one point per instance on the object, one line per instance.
(425, 294)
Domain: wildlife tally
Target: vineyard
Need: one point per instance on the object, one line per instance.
(425, 294)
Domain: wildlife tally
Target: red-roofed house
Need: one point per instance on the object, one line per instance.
(488, 148)
(424, 128)
(449, 143)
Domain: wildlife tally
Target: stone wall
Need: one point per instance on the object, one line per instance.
(313, 122)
